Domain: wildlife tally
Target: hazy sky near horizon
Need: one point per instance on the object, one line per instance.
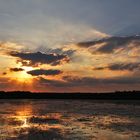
(39, 44)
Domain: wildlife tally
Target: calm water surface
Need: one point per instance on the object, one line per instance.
(69, 120)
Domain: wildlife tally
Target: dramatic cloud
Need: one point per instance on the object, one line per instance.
(16, 69)
(103, 37)
(62, 51)
(70, 81)
(89, 81)
(111, 44)
(37, 58)
(44, 72)
(121, 66)
(53, 83)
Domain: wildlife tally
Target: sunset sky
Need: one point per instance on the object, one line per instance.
(69, 45)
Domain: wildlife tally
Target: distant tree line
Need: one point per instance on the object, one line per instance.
(117, 95)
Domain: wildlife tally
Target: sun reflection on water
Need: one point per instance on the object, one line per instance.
(25, 124)
(40, 119)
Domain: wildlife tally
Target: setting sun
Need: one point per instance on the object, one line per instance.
(69, 69)
(24, 77)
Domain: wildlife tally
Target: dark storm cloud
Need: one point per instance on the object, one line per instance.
(44, 72)
(121, 66)
(40, 58)
(110, 44)
(16, 69)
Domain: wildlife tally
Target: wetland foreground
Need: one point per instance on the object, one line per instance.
(69, 119)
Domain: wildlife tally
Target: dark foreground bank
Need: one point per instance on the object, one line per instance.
(126, 95)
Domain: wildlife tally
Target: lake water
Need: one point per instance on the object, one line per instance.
(69, 120)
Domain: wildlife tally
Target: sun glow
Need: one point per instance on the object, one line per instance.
(27, 68)
(23, 76)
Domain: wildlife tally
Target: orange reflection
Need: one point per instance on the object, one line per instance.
(23, 113)
(25, 123)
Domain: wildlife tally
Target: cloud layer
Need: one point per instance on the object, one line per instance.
(105, 64)
(111, 44)
(121, 67)
(16, 69)
(37, 58)
(44, 72)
